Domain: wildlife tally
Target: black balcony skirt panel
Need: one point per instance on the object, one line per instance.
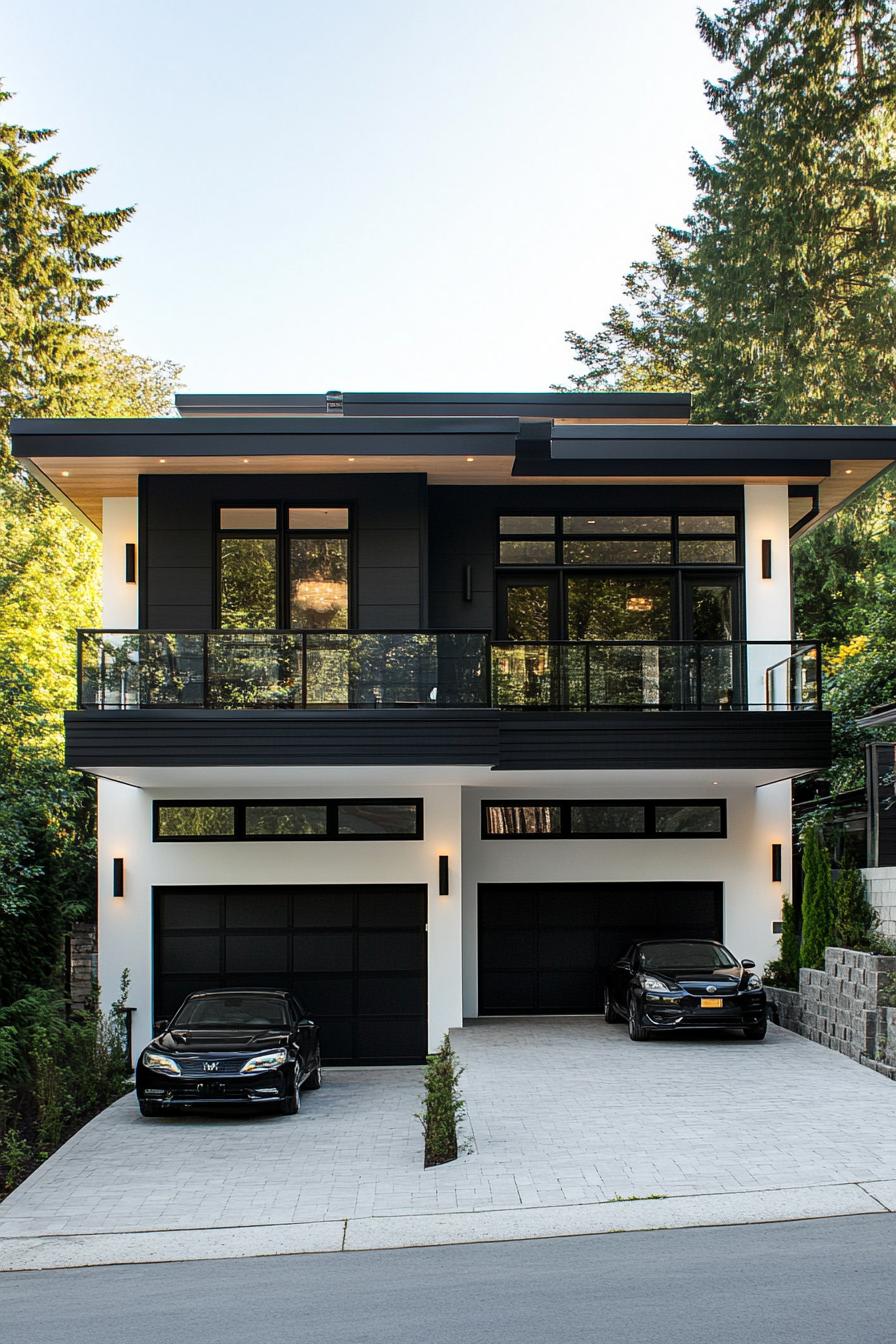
(355, 956)
(545, 947)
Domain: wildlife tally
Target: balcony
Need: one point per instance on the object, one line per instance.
(127, 670)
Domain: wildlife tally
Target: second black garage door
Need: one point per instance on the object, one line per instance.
(544, 948)
(354, 955)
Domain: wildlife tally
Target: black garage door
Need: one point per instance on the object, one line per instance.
(354, 955)
(544, 948)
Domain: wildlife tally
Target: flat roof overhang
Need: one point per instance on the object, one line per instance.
(84, 461)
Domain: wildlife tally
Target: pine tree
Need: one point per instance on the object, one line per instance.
(818, 900)
(775, 302)
(51, 274)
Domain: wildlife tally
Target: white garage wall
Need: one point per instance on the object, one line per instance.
(125, 925)
(741, 862)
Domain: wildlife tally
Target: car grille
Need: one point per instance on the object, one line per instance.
(228, 1065)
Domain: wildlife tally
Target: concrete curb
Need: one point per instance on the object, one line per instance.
(391, 1233)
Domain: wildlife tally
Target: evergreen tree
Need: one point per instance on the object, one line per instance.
(51, 274)
(818, 899)
(776, 300)
(785, 969)
(52, 362)
(856, 923)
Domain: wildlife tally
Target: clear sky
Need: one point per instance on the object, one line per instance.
(368, 194)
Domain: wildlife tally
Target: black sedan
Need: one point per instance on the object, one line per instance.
(250, 1046)
(673, 983)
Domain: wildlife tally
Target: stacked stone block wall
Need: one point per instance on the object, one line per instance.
(81, 964)
(840, 1007)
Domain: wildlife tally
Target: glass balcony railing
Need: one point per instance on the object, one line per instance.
(259, 669)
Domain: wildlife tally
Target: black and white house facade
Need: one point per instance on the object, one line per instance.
(426, 705)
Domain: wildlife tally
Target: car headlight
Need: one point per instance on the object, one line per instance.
(754, 982)
(263, 1063)
(654, 985)
(161, 1063)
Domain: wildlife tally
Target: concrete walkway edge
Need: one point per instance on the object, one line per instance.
(390, 1233)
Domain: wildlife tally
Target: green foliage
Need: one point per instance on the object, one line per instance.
(856, 922)
(818, 900)
(15, 1156)
(785, 970)
(55, 1073)
(442, 1106)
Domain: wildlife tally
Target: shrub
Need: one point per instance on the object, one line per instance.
(818, 900)
(785, 971)
(54, 1073)
(856, 922)
(442, 1104)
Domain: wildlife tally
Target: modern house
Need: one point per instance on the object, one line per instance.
(425, 706)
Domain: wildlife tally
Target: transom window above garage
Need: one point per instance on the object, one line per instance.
(597, 539)
(611, 819)
(290, 819)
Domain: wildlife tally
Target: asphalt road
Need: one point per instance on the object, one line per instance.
(797, 1283)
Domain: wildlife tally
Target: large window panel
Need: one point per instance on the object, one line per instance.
(607, 607)
(318, 583)
(247, 583)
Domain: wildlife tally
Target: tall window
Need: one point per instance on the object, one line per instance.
(283, 568)
(318, 569)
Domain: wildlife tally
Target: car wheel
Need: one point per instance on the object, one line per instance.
(756, 1033)
(610, 1013)
(292, 1104)
(148, 1107)
(314, 1079)
(636, 1029)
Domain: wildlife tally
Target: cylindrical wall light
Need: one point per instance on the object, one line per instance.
(766, 559)
(443, 874)
(118, 877)
(776, 863)
(130, 562)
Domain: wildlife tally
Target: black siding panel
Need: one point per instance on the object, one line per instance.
(504, 741)
(665, 741)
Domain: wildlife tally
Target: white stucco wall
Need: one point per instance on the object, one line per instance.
(125, 925)
(119, 598)
(768, 603)
(741, 862)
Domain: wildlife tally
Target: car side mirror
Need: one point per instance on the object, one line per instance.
(306, 1022)
(160, 1024)
(748, 964)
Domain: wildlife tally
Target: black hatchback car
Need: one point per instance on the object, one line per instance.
(673, 983)
(249, 1046)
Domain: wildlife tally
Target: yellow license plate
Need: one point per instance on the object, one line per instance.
(710, 1003)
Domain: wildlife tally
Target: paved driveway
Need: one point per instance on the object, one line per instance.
(561, 1111)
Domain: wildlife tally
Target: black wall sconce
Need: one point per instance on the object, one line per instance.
(468, 583)
(130, 562)
(443, 874)
(118, 877)
(776, 863)
(766, 559)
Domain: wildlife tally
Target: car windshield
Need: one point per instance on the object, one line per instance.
(689, 956)
(232, 1010)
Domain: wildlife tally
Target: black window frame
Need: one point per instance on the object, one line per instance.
(648, 804)
(673, 536)
(331, 835)
(282, 534)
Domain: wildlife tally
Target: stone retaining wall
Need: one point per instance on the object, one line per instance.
(840, 1007)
